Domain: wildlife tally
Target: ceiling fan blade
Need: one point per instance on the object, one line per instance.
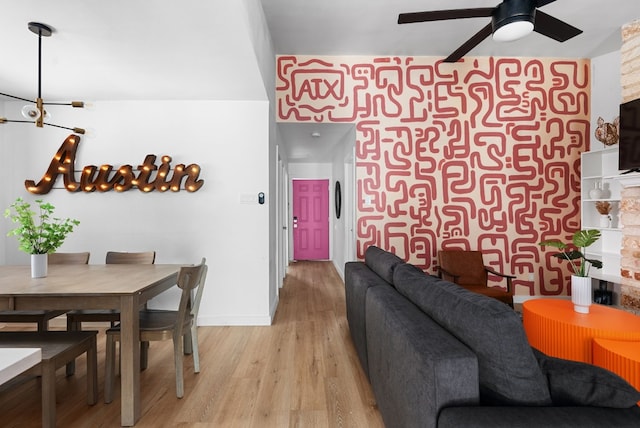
(470, 44)
(554, 28)
(440, 15)
(541, 3)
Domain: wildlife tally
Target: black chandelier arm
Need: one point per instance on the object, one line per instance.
(5, 120)
(72, 104)
(76, 130)
(17, 98)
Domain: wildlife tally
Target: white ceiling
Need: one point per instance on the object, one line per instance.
(129, 50)
(167, 49)
(369, 27)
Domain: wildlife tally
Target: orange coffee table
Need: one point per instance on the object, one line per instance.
(620, 357)
(553, 327)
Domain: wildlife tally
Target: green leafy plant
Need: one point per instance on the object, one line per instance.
(42, 236)
(581, 240)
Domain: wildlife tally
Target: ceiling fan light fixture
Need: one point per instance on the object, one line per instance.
(513, 20)
(510, 20)
(513, 31)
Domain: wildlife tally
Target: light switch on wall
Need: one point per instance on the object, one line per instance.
(248, 198)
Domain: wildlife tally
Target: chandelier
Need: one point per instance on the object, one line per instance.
(35, 112)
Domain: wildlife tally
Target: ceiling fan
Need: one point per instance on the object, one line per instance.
(510, 20)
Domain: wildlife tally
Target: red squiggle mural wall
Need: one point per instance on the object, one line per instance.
(482, 154)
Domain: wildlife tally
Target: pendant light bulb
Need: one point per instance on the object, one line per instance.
(30, 112)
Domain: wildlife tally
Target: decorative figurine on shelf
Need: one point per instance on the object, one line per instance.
(596, 192)
(608, 133)
(604, 208)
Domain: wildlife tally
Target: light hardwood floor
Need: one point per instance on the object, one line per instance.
(302, 371)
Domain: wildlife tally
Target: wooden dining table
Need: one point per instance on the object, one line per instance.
(114, 286)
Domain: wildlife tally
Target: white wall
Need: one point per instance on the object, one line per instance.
(182, 227)
(5, 175)
(606, 92)
(264, 52)
(341, 161)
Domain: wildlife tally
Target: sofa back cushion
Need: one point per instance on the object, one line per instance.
(508, 370)
(381, 262)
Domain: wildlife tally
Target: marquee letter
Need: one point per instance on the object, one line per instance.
(63, 163)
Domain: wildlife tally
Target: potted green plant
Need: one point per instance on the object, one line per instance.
(580, 265)
(38, 233)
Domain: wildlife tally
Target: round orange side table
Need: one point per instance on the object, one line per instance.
(620, 357)
(553, 327)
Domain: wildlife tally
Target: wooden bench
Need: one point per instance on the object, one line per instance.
(58, 349)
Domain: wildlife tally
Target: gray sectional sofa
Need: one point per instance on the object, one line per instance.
(437, 355)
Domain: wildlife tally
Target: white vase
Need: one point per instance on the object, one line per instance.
(596, 192)
(605, 221)
(581, 293)
(39, 264)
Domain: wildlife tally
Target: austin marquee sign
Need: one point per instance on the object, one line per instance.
(146, 177)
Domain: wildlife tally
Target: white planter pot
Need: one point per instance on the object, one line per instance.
(581, 293)
(605, 221)
(39, 264)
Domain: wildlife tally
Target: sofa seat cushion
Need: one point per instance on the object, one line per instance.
(573, 383)
(538, 417)
(508, 370)
(381, 262)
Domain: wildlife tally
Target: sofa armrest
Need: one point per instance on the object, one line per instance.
(416, 367)
(358, 278)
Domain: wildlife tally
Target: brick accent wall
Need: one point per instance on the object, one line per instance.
(630, 203)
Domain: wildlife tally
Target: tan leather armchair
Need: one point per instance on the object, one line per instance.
(467, 269)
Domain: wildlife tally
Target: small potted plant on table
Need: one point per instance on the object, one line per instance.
(580, 280)
(40, 237)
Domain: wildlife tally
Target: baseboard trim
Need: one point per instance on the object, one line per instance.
(217, 321)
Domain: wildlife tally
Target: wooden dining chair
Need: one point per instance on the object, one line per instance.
(42, 317)
(179, 325)
(75, 318)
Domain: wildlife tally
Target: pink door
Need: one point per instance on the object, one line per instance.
(310, 219)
